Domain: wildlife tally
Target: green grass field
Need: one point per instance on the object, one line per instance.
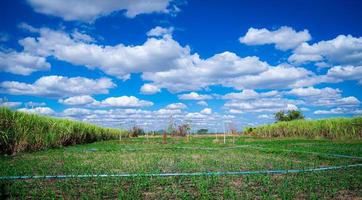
(201, 154)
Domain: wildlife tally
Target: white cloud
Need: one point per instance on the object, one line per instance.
(77, 100)
(38, 110)
(265, 116)
(342, 50)
(315, 92)
(156, 54)
(22, 63)
(167, 64)
(160, 31)
(206, 111)
(279, 77)
(202, 103)
(339, 111)
(194, 96)
(92, 9)
(58, 86)
(345, 102)
(194, 73)
(250, 94)
(235, 111)
(284, 38)
(149, 89)
(35, 104)
(346, 73)
(262, 105)
(11, 104)
(74, 112)
(176, 106)
(123, 101)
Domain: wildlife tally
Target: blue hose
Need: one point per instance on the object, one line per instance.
(278, 171)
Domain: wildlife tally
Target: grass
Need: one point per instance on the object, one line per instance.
(201, 154)
(335, 128)
(29, 132)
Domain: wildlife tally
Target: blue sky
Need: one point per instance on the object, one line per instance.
(120, 63)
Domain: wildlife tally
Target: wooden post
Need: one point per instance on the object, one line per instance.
(223, 126)
(164, 138)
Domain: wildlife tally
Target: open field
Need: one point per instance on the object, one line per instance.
(141, 156)
(334, 128)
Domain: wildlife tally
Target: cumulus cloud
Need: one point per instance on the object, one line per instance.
(58, 86)
(78, 100)
(202, 103)
(341, 102)
(339, 111)
(194, 96)
(341, 73)
(149, 89)
(154, 120)
(123, 101)
(262, 105)
(279, 77)
(176, 106)
(75, 112)
(156, 54)
(326, 97)
(22, 63)
(342, 50)
(160, 31)
(92, 9)
(194, 73)
(265, 116)
(326, 92)
(35, 104)
(167, 64)
(38, 110)
(206, 111)
(250, 94)
(283, 38)
(11, 104)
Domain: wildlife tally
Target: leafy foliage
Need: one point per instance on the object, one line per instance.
(289, 116)
(202, 131)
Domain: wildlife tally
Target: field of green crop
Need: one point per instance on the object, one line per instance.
(21, 131)
(200, 154)
(334, 128)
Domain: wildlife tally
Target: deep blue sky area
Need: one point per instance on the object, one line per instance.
(205, 62)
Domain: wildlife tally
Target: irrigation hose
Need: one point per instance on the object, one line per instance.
(239, 146)
(278, 171)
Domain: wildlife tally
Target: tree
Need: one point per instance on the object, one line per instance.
(289, 116)
(183, 129)
(202, 131)
(295, 114)
(136, 131)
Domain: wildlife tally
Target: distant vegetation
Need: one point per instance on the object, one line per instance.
(288, 116)
(202, 131)
(29, 132)
(335, 128)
